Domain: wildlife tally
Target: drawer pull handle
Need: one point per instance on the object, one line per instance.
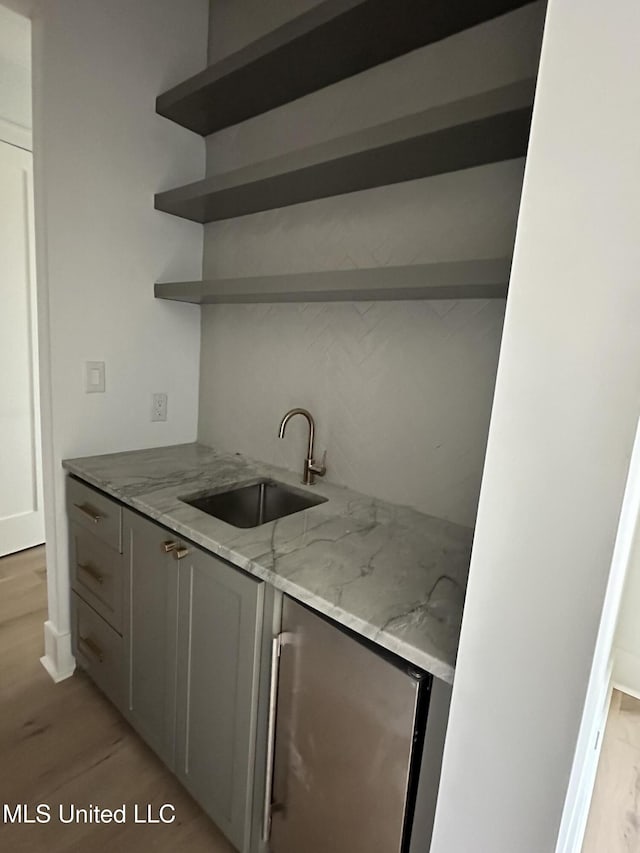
(90, 513)
(86, 644)
(93, 573)
(180, 553)
(168, 546)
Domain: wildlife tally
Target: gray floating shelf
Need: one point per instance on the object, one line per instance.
(480, 279)
(333, 41)
(485, 128)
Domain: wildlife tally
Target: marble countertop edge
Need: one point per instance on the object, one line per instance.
(421, 549)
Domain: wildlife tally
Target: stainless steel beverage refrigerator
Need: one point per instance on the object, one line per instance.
(346, 742)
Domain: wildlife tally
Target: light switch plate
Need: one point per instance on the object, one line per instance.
(94, 379)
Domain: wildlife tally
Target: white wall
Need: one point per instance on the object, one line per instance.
(100, 154)
(565, 412)
(15, 78)
(401, 391)
(234, 24)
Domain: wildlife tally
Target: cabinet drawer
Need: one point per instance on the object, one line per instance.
(98, 649)
(96, 575)
(95, 512)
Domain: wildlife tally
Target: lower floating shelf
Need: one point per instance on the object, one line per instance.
(479, 279)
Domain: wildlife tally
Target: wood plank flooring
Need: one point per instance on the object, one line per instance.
(63, 744)
(614, 817)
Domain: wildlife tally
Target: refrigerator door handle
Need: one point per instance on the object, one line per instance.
(271, 736)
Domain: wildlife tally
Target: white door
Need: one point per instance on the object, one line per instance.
(21, 514)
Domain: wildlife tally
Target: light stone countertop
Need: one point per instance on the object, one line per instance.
(389, 573)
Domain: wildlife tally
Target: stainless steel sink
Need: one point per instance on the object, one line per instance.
(254, 503)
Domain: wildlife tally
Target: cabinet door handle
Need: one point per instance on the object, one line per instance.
(86, 644)
(271, 738)
(93, 573)
(89, 512)
(180, 553)
(168, 546)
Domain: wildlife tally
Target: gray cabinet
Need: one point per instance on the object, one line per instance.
(98, 649)
(98, 514)
(193, 630)
(219, 643)
(96, 573)
(150, 632)
(178, 640)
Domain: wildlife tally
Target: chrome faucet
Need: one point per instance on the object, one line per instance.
(310, 467)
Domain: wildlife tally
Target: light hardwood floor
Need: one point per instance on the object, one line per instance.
(614, 817)
(64, 743)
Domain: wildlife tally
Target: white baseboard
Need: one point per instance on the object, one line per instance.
(58, 659)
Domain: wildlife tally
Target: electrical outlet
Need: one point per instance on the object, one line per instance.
(159, 407)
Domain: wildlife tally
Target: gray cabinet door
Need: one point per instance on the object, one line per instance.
(150, 632)
(220, 630)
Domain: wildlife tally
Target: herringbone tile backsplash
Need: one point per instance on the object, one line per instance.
(401, 392)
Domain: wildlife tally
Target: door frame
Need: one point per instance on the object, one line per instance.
(15, 141)
(599, 688)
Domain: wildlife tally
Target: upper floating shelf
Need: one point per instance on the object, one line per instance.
(485, 128)
(479, 279)
(333, 41)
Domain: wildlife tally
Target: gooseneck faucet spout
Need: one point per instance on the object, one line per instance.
(310, 467)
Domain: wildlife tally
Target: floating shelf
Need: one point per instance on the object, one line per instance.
(333, 41)
(485, 128)
(480, 279)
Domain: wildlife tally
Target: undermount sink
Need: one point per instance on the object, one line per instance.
(253, 504)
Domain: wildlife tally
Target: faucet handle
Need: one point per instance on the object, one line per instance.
(321, 469)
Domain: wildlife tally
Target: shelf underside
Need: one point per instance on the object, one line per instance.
(333, 41)
(485, 128)
(479, 279)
